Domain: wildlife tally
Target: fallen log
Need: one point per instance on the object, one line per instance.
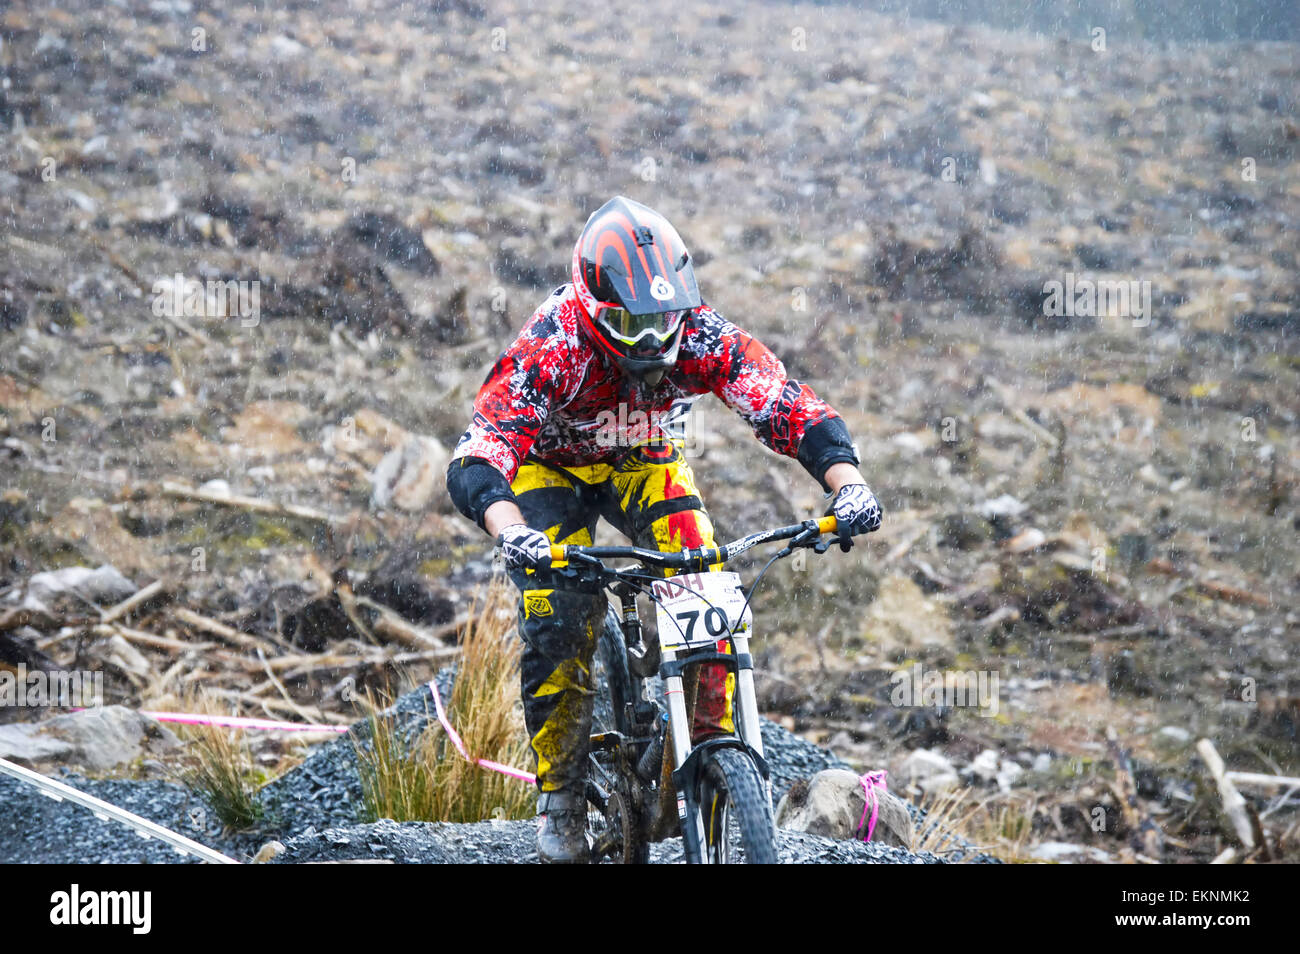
(899, 550)
(133, 602)
(1232, 594)
(1262, 780)
(937, 579)
(284, 693)
(426, 655)
(1003, 614)
(348, 602)
(268, 704)
(1211, 588)
(1006, 396)
(256, 504)
(296, 662)
(214, 628)
(1234, 805)
(390, 623)
(21, 616)
(141, 638)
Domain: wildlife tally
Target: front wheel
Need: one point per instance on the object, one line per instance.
(738, 826)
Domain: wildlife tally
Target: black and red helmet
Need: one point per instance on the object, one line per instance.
(635, 283)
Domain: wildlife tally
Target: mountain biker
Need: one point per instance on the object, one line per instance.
(556, 442)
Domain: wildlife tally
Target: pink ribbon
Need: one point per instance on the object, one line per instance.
(871, 781)
(240, 722)
(460, 745)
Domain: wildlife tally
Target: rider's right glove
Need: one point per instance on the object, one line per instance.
(856, 511)
(524, 548)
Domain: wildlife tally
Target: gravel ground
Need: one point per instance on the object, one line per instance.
(314, 811)
(326, 790)
(35, 829)
(511, 842)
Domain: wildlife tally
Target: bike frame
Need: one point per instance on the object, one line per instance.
(584, 563)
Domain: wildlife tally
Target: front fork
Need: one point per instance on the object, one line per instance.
(745, 706)
(689, 816)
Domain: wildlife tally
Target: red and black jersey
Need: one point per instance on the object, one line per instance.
(553, 396)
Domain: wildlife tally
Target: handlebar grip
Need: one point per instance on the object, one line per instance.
(558, 554)
(827, 524)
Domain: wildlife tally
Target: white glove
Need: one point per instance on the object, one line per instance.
(524, 548)
(856, 511)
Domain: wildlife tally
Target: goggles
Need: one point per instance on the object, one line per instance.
(632, 330)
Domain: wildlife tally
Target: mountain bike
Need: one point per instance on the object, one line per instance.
(643, 768)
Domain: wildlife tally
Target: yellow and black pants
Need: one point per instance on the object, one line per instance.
(650, 496)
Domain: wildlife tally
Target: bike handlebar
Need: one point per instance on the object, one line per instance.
(700, 558)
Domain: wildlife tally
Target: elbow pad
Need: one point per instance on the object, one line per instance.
(475, 485)
(824, 444)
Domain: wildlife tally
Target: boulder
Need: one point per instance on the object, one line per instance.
(410, 476)
(102, 586)
(268, 851)
(832, 805)
(928, 770)
(1065, 853)
(26, 745)
(96, 739)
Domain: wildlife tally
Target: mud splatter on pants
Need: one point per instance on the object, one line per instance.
(650, 496)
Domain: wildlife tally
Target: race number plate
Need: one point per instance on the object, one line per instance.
(698, 609)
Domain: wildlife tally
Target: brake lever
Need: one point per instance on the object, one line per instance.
(810, 536)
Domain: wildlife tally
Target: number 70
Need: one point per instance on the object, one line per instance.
(715, 622)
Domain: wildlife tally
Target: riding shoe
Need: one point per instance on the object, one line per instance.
(562, 828)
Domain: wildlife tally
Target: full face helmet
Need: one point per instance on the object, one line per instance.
(635, 283)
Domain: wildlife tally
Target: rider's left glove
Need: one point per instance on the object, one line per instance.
(856, 511)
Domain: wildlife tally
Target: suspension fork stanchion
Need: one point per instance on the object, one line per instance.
(750, 727)
(688, 815)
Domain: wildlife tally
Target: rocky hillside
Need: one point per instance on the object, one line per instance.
(1094, 504)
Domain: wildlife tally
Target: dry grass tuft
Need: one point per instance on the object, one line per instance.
(997, 825)
(425, 779)
(221, 768)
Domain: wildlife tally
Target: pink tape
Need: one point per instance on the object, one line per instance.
(239, 722)
(870, 782)
(460, 744)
